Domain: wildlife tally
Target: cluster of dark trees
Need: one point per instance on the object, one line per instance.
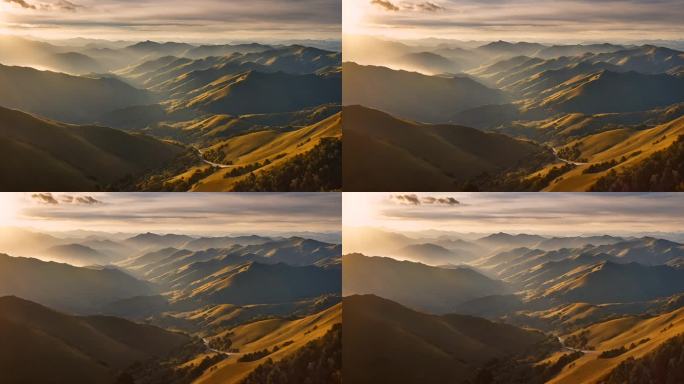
(223, 343)
(317, 170)
(609, 354)
(600, 167)
(166, 371)
(572, 153)
(662, 366)
(155, 180)
(318, 362)
(517, 371)
(254, 356)
(662, 171)
(518, 181)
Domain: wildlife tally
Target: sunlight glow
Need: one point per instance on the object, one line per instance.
(10, 206)
(354, 13)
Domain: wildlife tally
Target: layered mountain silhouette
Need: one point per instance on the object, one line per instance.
(440, 291)
(66, 287)
(599, 106)
(397, 92)
(244, 303)
(574, 309)
(64, 97)
(192, 94)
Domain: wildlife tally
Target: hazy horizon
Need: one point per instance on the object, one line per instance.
(208, 21)
(565, 21)
(558, 214)
(201, 214)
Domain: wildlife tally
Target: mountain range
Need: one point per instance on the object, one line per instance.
(558, 309)
(155, 308)
(198, 97)
(607, 111)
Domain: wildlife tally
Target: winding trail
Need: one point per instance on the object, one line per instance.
(206, 344)
(585, 351)
(555, 152)
(201, 154)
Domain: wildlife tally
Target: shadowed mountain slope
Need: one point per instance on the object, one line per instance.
(385, 153)
(44, 346)
(386, 342)
(47, 155)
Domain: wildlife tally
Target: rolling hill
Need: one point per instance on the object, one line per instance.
(268, 151)
(431, 254)
(622, 339)
(386, 342)
(73, 349)
(261, 283)
(65, 287)
(77, 254)
(64, 97)
(612, 282)
(385, 153)
(290, 336)
(243, 93)
(431, 289)
(47, 155)
(638, 92)
(396, 92)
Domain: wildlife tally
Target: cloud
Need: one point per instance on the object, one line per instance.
(21, 3)
(440, 200)
(45, 198)
(413, 199)
(207, 213)
(558, 21)
(87, 200)
(200, 21)
(50, 199)
(386, 4)
(67, 6)
(427, 6)
(59, 5)
(405, 199)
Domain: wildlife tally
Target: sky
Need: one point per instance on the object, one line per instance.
(173, 20)
(180, 213)
(558, 214)
(517, 20)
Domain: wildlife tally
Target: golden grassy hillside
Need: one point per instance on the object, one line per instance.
(253, 337)
(645, 333)
(634, 146)
(268, 147)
